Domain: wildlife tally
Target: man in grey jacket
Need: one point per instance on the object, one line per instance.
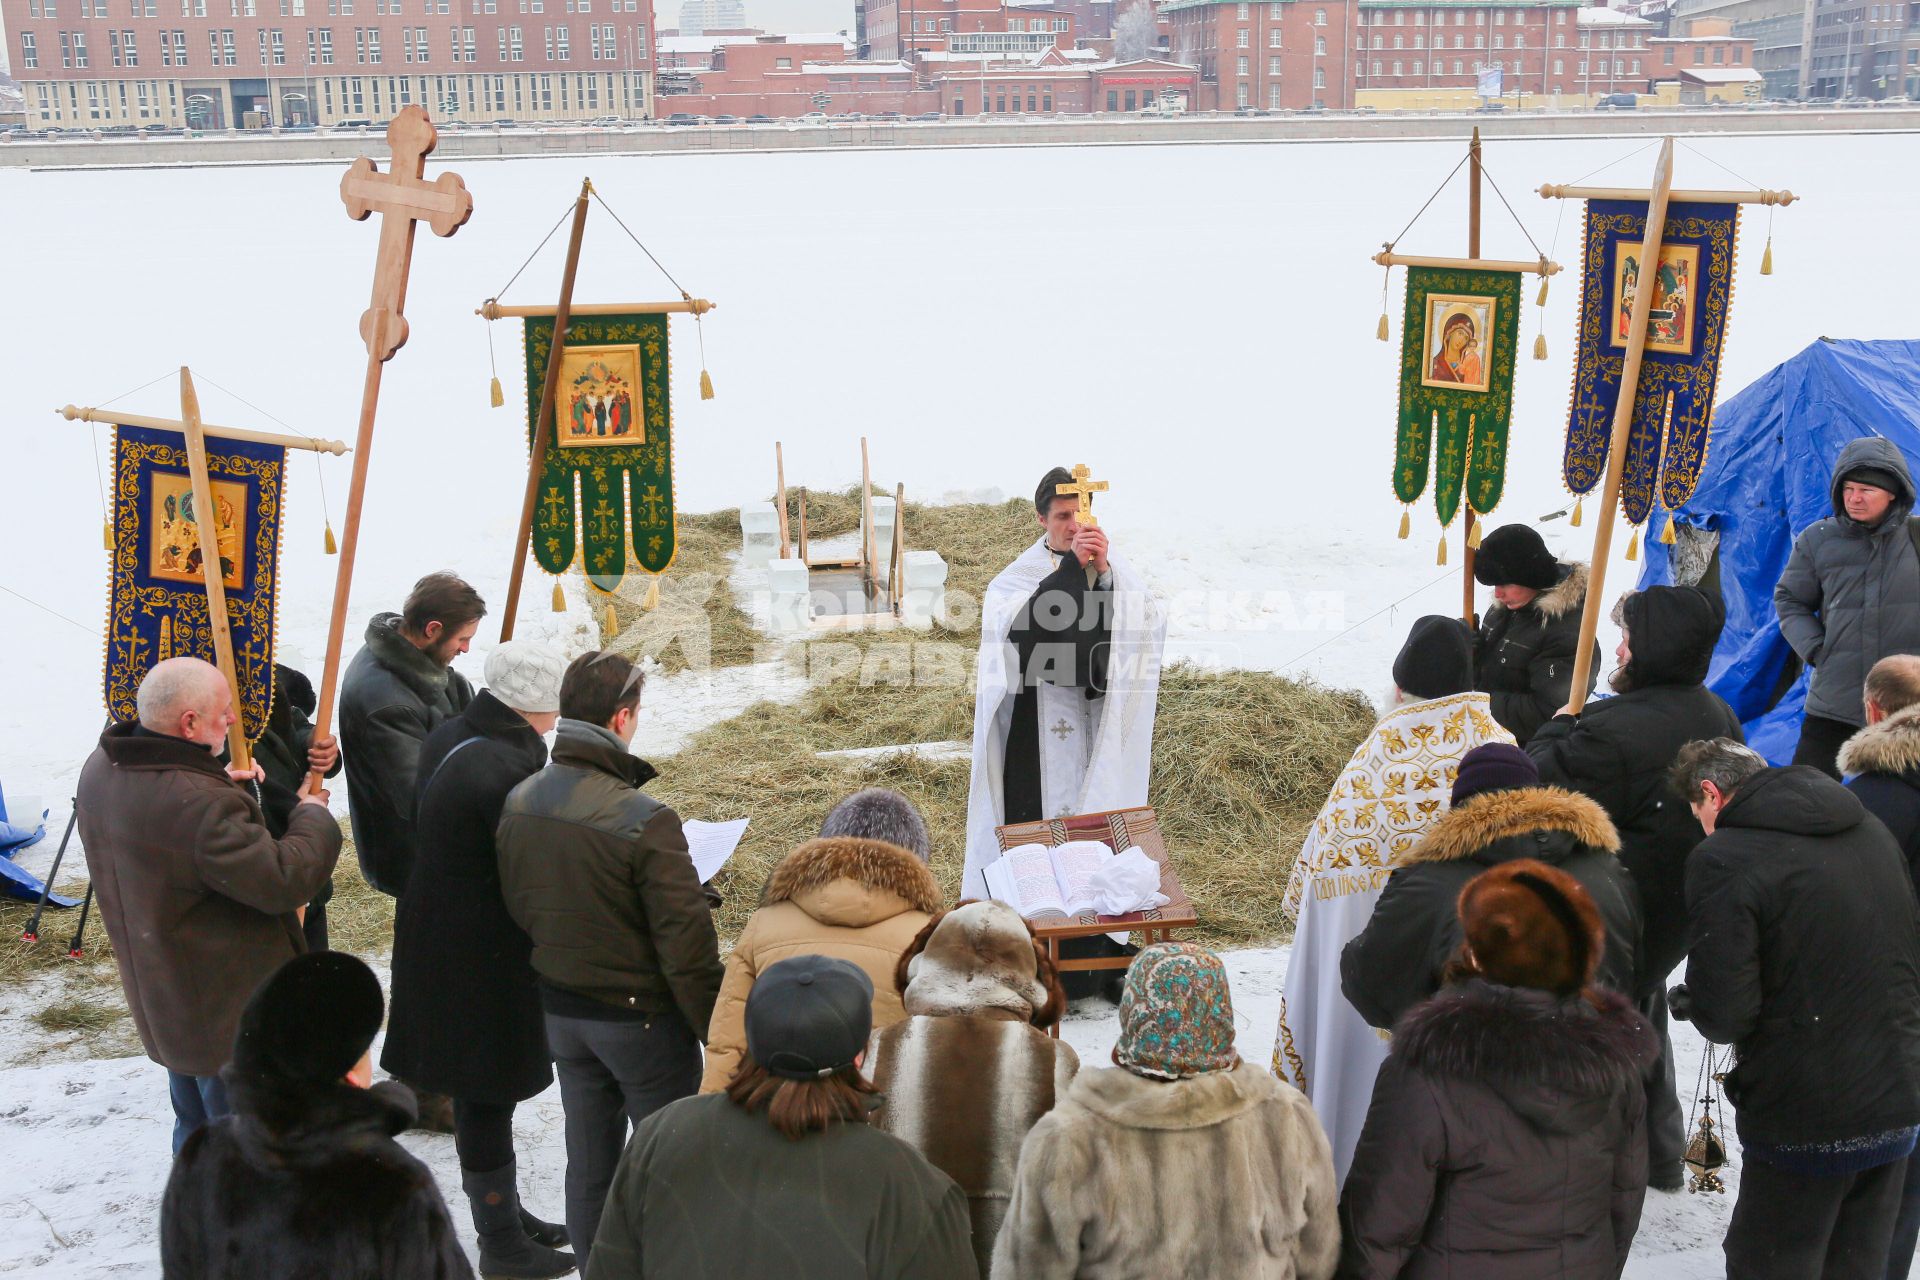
(1850, 595)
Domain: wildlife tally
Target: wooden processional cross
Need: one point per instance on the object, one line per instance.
(1657, 200)
(402, 197)
(196, 432)
(1082, 490)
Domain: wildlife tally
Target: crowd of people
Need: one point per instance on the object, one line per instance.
(870, 1083)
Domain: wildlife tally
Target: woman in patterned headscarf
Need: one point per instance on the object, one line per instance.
(1220, 1168)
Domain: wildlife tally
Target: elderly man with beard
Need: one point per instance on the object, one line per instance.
(200, 901)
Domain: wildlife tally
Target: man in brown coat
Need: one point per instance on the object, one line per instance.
(201, 903)
(597, 872)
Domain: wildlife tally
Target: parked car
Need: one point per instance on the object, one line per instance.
(884, 115)
(682, 118)
(759, 119)
(605, 122)
(1618, 102)
(815, 117)
(1489, 107)
(927, 116)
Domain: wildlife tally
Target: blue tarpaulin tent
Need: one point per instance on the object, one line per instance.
(1767, 477)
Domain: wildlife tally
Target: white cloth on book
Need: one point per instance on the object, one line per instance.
(1397, 783)
(1095, 752)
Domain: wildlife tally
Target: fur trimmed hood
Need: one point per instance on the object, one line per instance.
(843, 880)
(1499, 815)
(1197, 1102)
(1890, 747)
(296, 1124)
(1566, 596)
(979, 959)
(1556, 1062)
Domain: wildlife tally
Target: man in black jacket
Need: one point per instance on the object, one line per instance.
(1804, 955)
(286, 752)
(397, 689)
(1882, 766)
(597, 872)
(1499, 813)
(1523, 655)
(1618, 751)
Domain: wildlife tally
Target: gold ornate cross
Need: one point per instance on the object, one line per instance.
(1083, 489)
(402, 197)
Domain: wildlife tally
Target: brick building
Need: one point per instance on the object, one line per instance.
(1709, 61)
(1279, 54)
(1538, 45)
(252, 63)
(897, 29)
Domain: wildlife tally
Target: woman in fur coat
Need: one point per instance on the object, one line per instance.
(1180, 1160)
(1506, 1139)
(971, 1069)
(304, 1180)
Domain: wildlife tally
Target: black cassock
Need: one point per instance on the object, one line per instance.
(1063, 635)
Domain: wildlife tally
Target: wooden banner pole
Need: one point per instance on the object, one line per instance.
(866, 522)
(206, 527)
(549, 388)
(1622, 424)
(87, 413)
(1468, 555)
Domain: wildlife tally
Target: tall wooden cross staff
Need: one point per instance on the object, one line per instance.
(401, 197)
(1657, 200)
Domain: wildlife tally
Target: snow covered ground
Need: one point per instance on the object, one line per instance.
(1203, 338)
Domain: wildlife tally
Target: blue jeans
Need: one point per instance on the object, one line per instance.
(613, 1074)
(197, 1100)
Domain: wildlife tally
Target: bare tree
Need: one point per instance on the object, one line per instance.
(1136, 32)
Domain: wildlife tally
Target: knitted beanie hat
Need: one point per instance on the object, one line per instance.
(1176, 1014)
(526, 675)
(1437, 659)
(1494, 766)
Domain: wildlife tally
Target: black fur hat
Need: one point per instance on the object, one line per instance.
(311, 1020)
(1437, 659)
(1515, 555)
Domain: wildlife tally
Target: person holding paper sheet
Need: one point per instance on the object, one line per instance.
(466, 1010)
(596, 871)
(860, 898)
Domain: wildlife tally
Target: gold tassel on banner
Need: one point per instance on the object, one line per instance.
(1382, 332)
(1766, 259)
(559, 598)
(1633, 545)
(1442, 557)
(1406, 524)
(331, 547)
(1575, 521)
(706, 385)
(496, 397)
(1666, 534)
(653, 593)
(106, 534)
(609, 624)
(1473, 533)
(1541, 300)
(1539, 346)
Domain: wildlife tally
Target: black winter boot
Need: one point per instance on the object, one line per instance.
(507, 1252)
(552, 1234)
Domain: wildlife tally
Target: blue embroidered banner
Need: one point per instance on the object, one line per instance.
(1673, 406)
(157, 596)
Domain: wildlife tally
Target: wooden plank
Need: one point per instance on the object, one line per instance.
(205, 516)
(493, 310)
(899, 546)
(1539, 267)
(1552, 191)
(780, 497)
(87, 413)
(866, 518)
(803, 524)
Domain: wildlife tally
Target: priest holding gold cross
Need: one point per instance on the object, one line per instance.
(1068, 673)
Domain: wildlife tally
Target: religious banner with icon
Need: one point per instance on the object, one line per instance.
(1457, 353)
(1692, 290)
(608, 469)
(157, 592)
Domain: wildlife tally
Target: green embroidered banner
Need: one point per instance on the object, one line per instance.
(157, 591)
(606, 491)
(1457, 351)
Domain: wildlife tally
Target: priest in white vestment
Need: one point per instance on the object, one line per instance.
(1394, 787)
(1069, 669)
